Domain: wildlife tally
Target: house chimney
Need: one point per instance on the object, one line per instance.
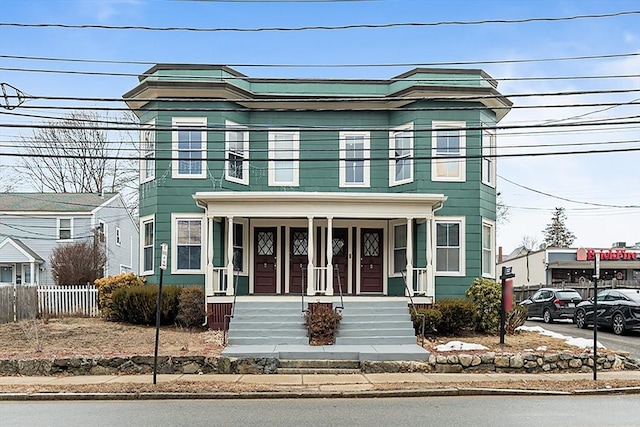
(499, 254)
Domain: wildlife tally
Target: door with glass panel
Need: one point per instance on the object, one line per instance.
(265, 260)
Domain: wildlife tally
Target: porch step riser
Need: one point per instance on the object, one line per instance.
(375, 340)
(320, 364)
(269, 341)
(326, 371)
(375, 332)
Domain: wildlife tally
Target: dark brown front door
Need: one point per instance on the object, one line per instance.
(371, 260)
(340, 259)
(298, 250)
(265, 260)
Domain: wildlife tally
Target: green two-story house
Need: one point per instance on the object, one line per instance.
(277, 186)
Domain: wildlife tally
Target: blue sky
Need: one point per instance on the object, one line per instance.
(606, 179)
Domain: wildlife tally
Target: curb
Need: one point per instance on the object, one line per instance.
(441, 392)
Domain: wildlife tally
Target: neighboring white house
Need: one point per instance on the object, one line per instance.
(33, 224)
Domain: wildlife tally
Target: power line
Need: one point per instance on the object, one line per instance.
(564, 198)
(352, 65)
(319, 27)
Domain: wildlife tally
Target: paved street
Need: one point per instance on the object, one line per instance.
(478, 411)
(629, 342)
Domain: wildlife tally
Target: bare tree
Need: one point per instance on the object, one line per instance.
(79, 262)
(76, 154)
(529, 242)
(502, 211)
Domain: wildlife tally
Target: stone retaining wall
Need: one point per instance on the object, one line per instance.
(532, 362)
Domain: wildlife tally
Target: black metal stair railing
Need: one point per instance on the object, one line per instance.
(413, 306)
(228, 317)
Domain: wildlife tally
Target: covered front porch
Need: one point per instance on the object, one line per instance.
(318, 244)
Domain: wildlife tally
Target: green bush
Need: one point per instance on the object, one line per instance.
(137, 304)
(322, 323)
(487, 295)
(108, 285)
(191, 307)
(515, 319)
(432, 319)
(457, 315)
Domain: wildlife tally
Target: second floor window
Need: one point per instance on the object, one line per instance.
(449, 139)
(401, 156)
(283, 158)
(489, 158)
(189, 148)
(237, 154)
(64, 229)
(148, 148)
(354, 159)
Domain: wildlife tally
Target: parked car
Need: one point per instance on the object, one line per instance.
(552, 304)
(618, 309)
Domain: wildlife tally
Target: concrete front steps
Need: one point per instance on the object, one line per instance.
(267, 323)
(310, 366)
(373, 322)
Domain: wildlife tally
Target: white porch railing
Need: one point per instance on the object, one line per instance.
(61, 300)
(421, 285)
(319, 275)
(219, 281)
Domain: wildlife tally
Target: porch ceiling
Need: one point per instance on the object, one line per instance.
(270, 204)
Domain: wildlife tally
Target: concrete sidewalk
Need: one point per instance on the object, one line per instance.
(314, 384)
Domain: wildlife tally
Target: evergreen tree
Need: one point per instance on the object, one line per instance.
(557, 234)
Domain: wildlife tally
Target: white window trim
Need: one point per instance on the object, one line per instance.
(178, 122)
(492, 224)
(245, 244)
(391, 244)
(143, 221)
(463, 237)
(118, 237)
(147, 175)
(234, 127)
(392, 154)
(343, 159)
(295, 158)
(489, 148)
(70, 229)
(449, 125)
(175, 217)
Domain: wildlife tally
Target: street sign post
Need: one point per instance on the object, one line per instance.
(596, 275)
(163, 266)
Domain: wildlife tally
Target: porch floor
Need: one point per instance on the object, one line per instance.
(400, 352)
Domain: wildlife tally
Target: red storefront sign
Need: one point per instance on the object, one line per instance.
(583, 254)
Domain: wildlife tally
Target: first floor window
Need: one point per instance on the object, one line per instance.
(238, 247)
(64, 228)
(189, 244)
(147, 246)
(399, 248)
(488, 260)
(448, 247)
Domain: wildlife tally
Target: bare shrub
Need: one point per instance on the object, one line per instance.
(78, 263)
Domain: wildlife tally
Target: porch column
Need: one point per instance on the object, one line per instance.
(430, 249)
(329, 290)
(409, 252)
(230, 284)
(209, 274)
(310, 273)
(32, 273)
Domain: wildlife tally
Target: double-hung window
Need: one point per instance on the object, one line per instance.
(488, 248)
(187, 243)
(489, 158)
(238, 247)
(449, 149)
(148, 151)
(189, 147)
(450, 247)
(65, 226)
(118, 237)
(284, 158)
(401, 155)
(354, 159)
(399, 248)
(147, 244)
(237, 154)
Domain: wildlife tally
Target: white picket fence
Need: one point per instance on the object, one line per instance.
(68, 300)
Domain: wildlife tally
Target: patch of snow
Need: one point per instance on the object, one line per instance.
(542, 348)
(459, 345)
(576, 342)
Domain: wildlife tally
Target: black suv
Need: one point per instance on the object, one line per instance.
(552, 304)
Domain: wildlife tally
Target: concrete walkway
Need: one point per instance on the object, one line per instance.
(342, 383)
